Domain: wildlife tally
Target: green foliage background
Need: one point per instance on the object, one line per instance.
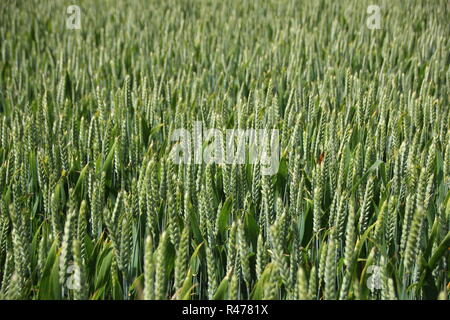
(92, 207)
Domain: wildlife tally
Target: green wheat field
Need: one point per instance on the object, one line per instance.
(92, 205)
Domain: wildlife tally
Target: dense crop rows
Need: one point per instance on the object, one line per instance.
(92, 205)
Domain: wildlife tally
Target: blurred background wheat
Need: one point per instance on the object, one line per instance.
(92, 207)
